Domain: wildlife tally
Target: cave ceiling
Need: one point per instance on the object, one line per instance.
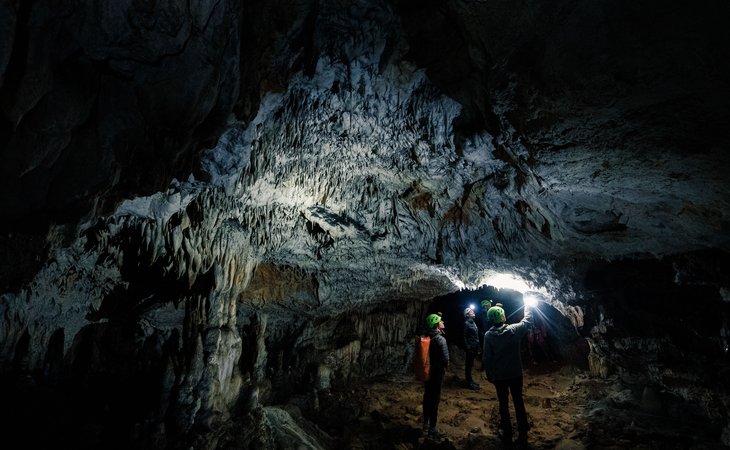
(315, 156)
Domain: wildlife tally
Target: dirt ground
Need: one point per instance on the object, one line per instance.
(567, 410)
(553, 401)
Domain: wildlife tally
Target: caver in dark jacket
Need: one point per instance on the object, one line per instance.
(503, 363)
(501, 352)
(471, 336)
(471, 345)
(438, 355)
(483, 323)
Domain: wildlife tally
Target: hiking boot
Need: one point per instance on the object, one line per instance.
(433, 433)
(474, 387)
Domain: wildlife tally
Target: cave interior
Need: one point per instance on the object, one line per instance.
(224, 222)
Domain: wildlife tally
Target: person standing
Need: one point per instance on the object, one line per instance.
(503, 364)
(471, 345)
(483, 322)
(438, 354)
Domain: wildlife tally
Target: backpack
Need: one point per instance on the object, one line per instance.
(421, 362)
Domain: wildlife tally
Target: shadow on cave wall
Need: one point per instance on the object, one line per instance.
(677, 300)
(659, 329)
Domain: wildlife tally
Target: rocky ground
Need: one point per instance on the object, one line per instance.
(567, 410)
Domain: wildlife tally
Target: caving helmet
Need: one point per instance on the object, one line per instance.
(486, 303)
(496, 315)
(432, 321)
(467, 311)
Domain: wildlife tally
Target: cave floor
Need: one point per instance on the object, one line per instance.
(566, 409)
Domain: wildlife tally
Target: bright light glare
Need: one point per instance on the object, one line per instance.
(506, 281)
(530, 300)
(471, 306)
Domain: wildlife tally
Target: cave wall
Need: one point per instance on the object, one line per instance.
(103, 102)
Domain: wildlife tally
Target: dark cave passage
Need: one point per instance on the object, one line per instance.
(553, 339)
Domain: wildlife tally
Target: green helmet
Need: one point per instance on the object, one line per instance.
(432, 321)
(496, 315)
(486, 303)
